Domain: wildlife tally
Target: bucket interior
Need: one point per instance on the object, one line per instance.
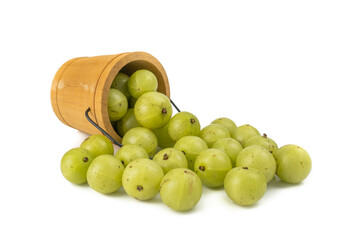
(132, 67)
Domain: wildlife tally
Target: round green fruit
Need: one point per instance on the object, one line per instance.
(74, 165)
(141, 178)
(244, 133)
(259, 158)
(230, 146)
(263, 141)
(98, 145)
(170, 158)
(143, 137)
(293, 163)
(130, 152)
(142, 81)
(153, 110)
(120, 83)
(127, 122)
(117, 104)
(105, 173)
(191, 146)
(226, 122)
(212, 166)
(214, 132)
(183, 124)
(163, 137)
(245, 186)
(181, 189)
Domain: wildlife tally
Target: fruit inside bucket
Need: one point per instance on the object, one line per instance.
(134, 79)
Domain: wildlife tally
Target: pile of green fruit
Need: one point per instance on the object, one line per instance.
(174, 156)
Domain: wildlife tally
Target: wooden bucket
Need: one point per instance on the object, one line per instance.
(84, 82)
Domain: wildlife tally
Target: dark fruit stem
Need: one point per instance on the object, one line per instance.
(264, 135)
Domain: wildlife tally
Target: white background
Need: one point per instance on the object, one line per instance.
(289, 68)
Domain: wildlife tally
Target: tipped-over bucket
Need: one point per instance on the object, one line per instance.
(84, 82)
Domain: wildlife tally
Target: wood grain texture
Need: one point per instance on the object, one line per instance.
(84, 82)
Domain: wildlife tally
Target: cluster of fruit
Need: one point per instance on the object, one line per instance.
(174, 156)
